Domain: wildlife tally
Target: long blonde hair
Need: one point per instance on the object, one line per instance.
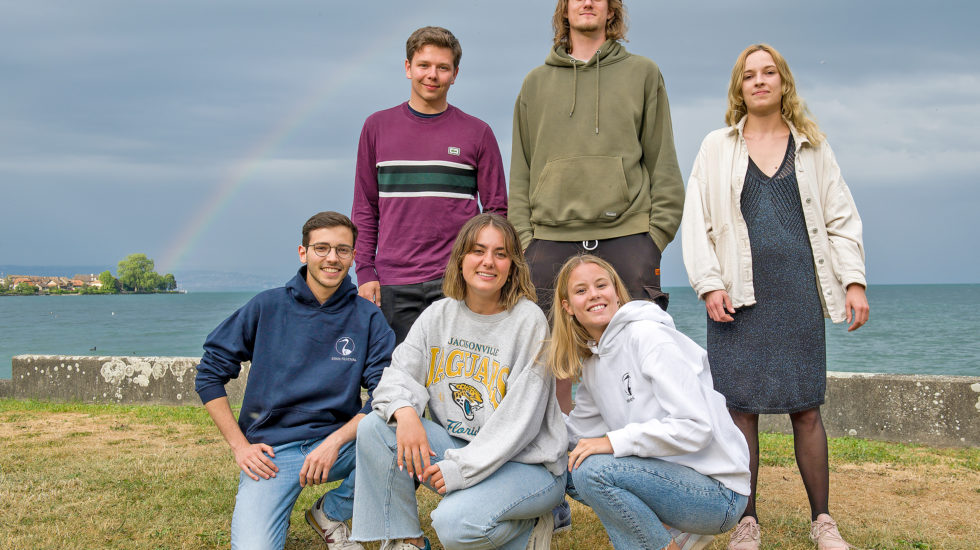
(615, 26)
(793, 107)
(518, 282)
(569, 344)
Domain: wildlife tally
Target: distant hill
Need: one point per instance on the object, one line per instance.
(191, 280)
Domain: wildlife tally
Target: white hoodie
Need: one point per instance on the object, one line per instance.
(648, 388)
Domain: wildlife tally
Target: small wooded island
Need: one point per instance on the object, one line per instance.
(136, 276)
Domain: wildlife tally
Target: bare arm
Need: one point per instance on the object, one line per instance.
(252, 458)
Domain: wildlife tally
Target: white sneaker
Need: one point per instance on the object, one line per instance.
(400, 544)
(541, 534)
(335, 533)
(689, 541)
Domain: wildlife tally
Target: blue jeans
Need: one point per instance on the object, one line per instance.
(262, 507)
(498, 512)
(634, 496)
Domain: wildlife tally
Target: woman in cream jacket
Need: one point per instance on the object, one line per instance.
(772, 244)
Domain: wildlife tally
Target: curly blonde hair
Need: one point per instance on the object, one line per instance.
(518, 282)
(793, 107)
(615, 27)
(569, 344)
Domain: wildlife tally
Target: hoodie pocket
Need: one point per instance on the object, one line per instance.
(580, 189)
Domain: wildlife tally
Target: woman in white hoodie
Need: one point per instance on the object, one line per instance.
(652, 444)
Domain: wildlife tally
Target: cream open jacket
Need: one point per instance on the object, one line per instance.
(715, 240)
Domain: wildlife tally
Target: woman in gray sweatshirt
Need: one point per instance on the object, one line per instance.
(496, 443)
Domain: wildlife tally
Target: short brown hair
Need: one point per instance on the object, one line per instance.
(433, 36)
(327, 219)
(615, 27)
(518, 282)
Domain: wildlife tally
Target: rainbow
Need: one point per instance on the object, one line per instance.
(238, 173)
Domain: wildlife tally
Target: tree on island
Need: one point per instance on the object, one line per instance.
(136, 274)
(110, 285)
(25, 289)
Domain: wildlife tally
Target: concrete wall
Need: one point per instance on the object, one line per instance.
(932, 410)
(6, 387)
(129, 380)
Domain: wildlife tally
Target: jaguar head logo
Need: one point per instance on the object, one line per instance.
(468, 398)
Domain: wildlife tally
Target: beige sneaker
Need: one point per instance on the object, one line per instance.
(541, 534)
(824, 532)
(335, 533)
(746, 535)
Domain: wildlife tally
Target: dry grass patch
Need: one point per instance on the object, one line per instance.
(94, 476)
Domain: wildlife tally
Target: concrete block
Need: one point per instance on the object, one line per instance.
(6, 388)
(941, 411)
(124, 380)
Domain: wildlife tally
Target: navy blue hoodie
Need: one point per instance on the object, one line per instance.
(309, 361)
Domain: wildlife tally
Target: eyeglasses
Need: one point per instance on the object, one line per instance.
(322, 250)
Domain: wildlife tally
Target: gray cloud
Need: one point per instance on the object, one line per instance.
(126, 123)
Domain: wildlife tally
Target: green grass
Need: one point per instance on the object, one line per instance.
(108, 476)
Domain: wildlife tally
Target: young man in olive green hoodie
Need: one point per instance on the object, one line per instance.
(593, 166)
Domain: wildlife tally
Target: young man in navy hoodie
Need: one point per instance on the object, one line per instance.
(313, 344)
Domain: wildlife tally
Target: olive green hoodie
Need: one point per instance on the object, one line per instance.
(593, 151)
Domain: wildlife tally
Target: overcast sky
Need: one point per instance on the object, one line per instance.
(205, 133)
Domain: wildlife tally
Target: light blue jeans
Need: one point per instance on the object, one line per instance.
(262, 507)
(634, 496)
(498, 512)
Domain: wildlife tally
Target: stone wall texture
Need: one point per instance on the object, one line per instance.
(932, 410)
(125, 380)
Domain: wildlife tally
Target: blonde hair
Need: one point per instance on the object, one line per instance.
(793, 107)
(615, 26)
(518, 283)
(569, 344)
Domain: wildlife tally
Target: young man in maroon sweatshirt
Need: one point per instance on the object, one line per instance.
(423, 169)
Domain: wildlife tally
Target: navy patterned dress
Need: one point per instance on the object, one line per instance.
(772, 357)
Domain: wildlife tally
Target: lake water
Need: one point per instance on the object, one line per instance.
(914, 329)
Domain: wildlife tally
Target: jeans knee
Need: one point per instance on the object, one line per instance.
(587, 478)
(453, 530)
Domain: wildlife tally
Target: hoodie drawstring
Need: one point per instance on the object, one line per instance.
(597, 61)
(574, 85)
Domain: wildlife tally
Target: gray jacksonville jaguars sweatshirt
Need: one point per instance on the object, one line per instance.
(480, 377)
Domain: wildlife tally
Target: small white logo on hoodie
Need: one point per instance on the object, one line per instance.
(454, 151)
(344, 345)
(628, 387)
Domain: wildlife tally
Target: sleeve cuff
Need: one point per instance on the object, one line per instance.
(620, 443)
(451, 475)
(210, 393)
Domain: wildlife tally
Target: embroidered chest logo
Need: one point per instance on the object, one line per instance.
(344, 345)
(628, 387)
(454, 151)
(468, 398)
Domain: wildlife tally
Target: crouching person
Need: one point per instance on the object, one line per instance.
(496, 445)
(313, 344)
(656, 454)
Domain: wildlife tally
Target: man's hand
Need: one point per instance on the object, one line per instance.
(254, 460)
(586, 447)
(316, 467)
(413, 445)
(719, 306)
(372, 291)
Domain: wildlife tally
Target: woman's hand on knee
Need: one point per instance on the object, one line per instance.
(587, 447)
(413, 445)
(433, 476)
